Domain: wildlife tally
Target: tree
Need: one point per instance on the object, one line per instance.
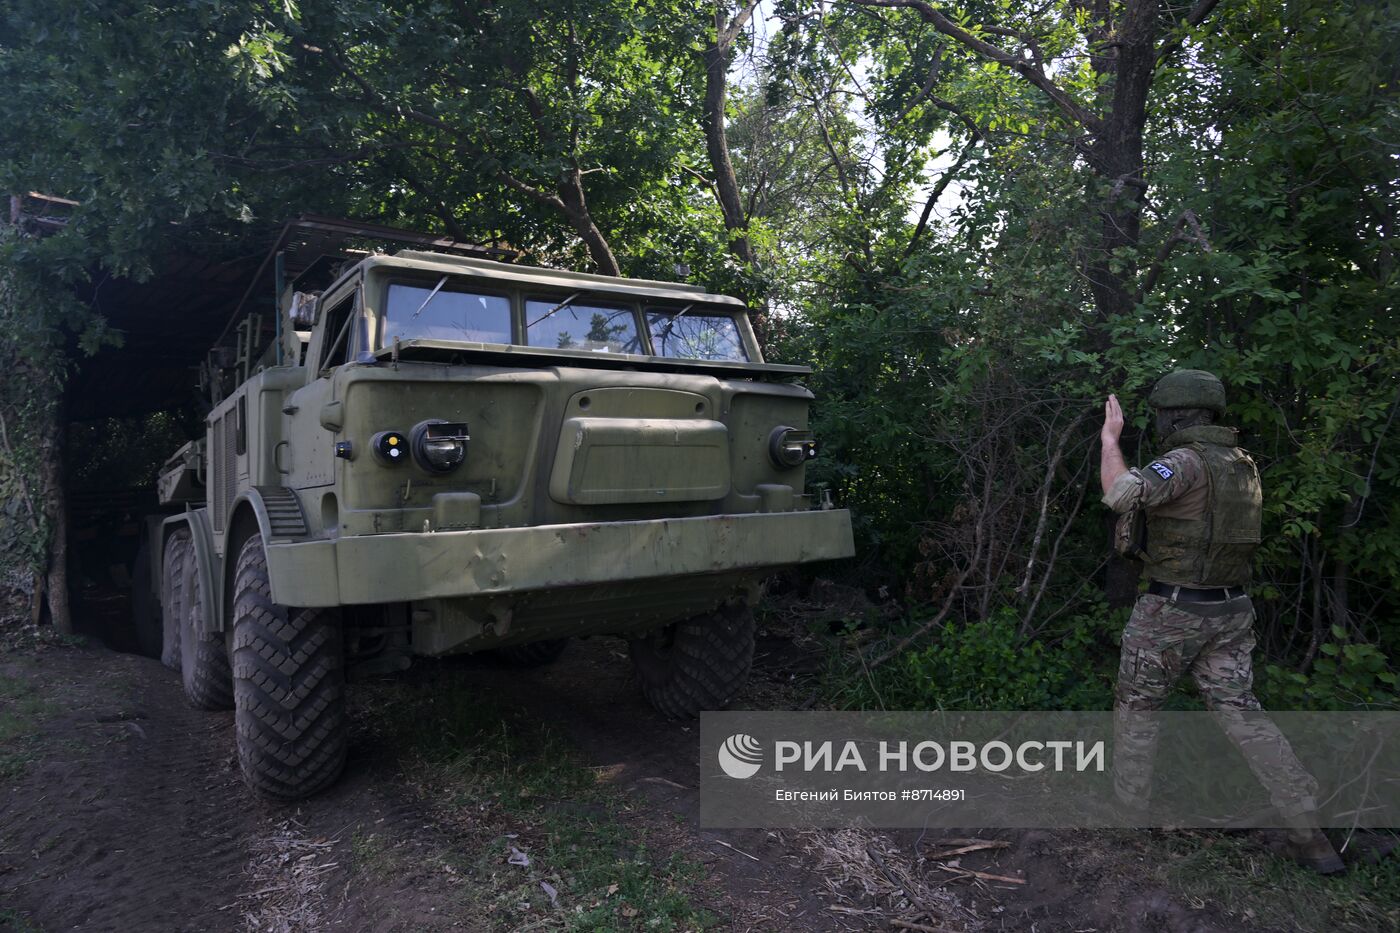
(1126, 48)
(562, 130)
(575, 110)
(1098, 108)
(90, 114)
(718, 56)
(962, 369)
(790, 189)
(1274, 139)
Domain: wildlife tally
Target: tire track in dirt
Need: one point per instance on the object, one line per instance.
(132, 817)
(135, 815)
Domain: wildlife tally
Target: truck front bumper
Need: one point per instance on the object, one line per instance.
(389, 568)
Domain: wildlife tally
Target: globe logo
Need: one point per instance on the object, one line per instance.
(741, 756)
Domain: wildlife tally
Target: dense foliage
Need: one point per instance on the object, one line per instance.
(963, 365)
(975, 221)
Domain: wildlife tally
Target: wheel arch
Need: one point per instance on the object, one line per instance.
(275, 513)
(207, 563)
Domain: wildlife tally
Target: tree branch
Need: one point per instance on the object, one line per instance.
(716, 58)
(927, 89)
(755, 194)
(943, 182)
(1024, 589)
(530, 191)
(1194, 17)
(829, 144)
(1027, 70)
(378, 101)
(1187, 219)
(707, 182)
(449, 220)
(726, 35)
(573, 79)
(960, 113)
(280, 165)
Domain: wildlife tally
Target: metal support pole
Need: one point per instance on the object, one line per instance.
(278, 277)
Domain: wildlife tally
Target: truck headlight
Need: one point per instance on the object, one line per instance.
(789, 448)
(440, 446)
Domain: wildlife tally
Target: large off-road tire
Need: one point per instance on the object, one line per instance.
(534, 654)
(172, 596)
(699, 664)
(204, 663)
(288, 686)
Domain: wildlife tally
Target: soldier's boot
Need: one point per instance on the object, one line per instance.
(1311, 849)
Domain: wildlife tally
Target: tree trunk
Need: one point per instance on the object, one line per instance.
(717, 145)
(1117, 159)
(1340, 593)
(56, 505)
(1116, 156)
(576, 210)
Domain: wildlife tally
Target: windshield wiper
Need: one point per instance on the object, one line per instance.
(666, 332)
(431, 295)
(559, 307)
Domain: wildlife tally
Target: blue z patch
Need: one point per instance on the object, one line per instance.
(1161, 469)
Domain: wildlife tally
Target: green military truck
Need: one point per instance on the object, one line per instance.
(439, 452)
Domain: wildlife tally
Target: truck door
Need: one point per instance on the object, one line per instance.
(311, 411)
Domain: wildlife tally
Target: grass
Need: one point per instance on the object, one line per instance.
(1238, 875)
(12, 921)
(506, 783)
(1230, 873)
(21, 711)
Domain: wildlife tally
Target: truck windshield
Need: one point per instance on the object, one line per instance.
(696, 335)
(446, 315)
(581, 326)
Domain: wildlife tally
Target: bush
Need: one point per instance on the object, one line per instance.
(1348, 675)
(988, 665)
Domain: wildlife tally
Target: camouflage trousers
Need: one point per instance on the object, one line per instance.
(1214, 642)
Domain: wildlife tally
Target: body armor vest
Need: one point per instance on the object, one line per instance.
(1217, 548)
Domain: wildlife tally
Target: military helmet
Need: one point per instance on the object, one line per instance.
(1189, 388)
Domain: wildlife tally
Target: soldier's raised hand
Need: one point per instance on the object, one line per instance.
(1112, 421)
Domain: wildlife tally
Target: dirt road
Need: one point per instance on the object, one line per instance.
(125, 811)
(129, 812)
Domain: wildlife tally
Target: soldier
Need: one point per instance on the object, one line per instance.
(1200, 502)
